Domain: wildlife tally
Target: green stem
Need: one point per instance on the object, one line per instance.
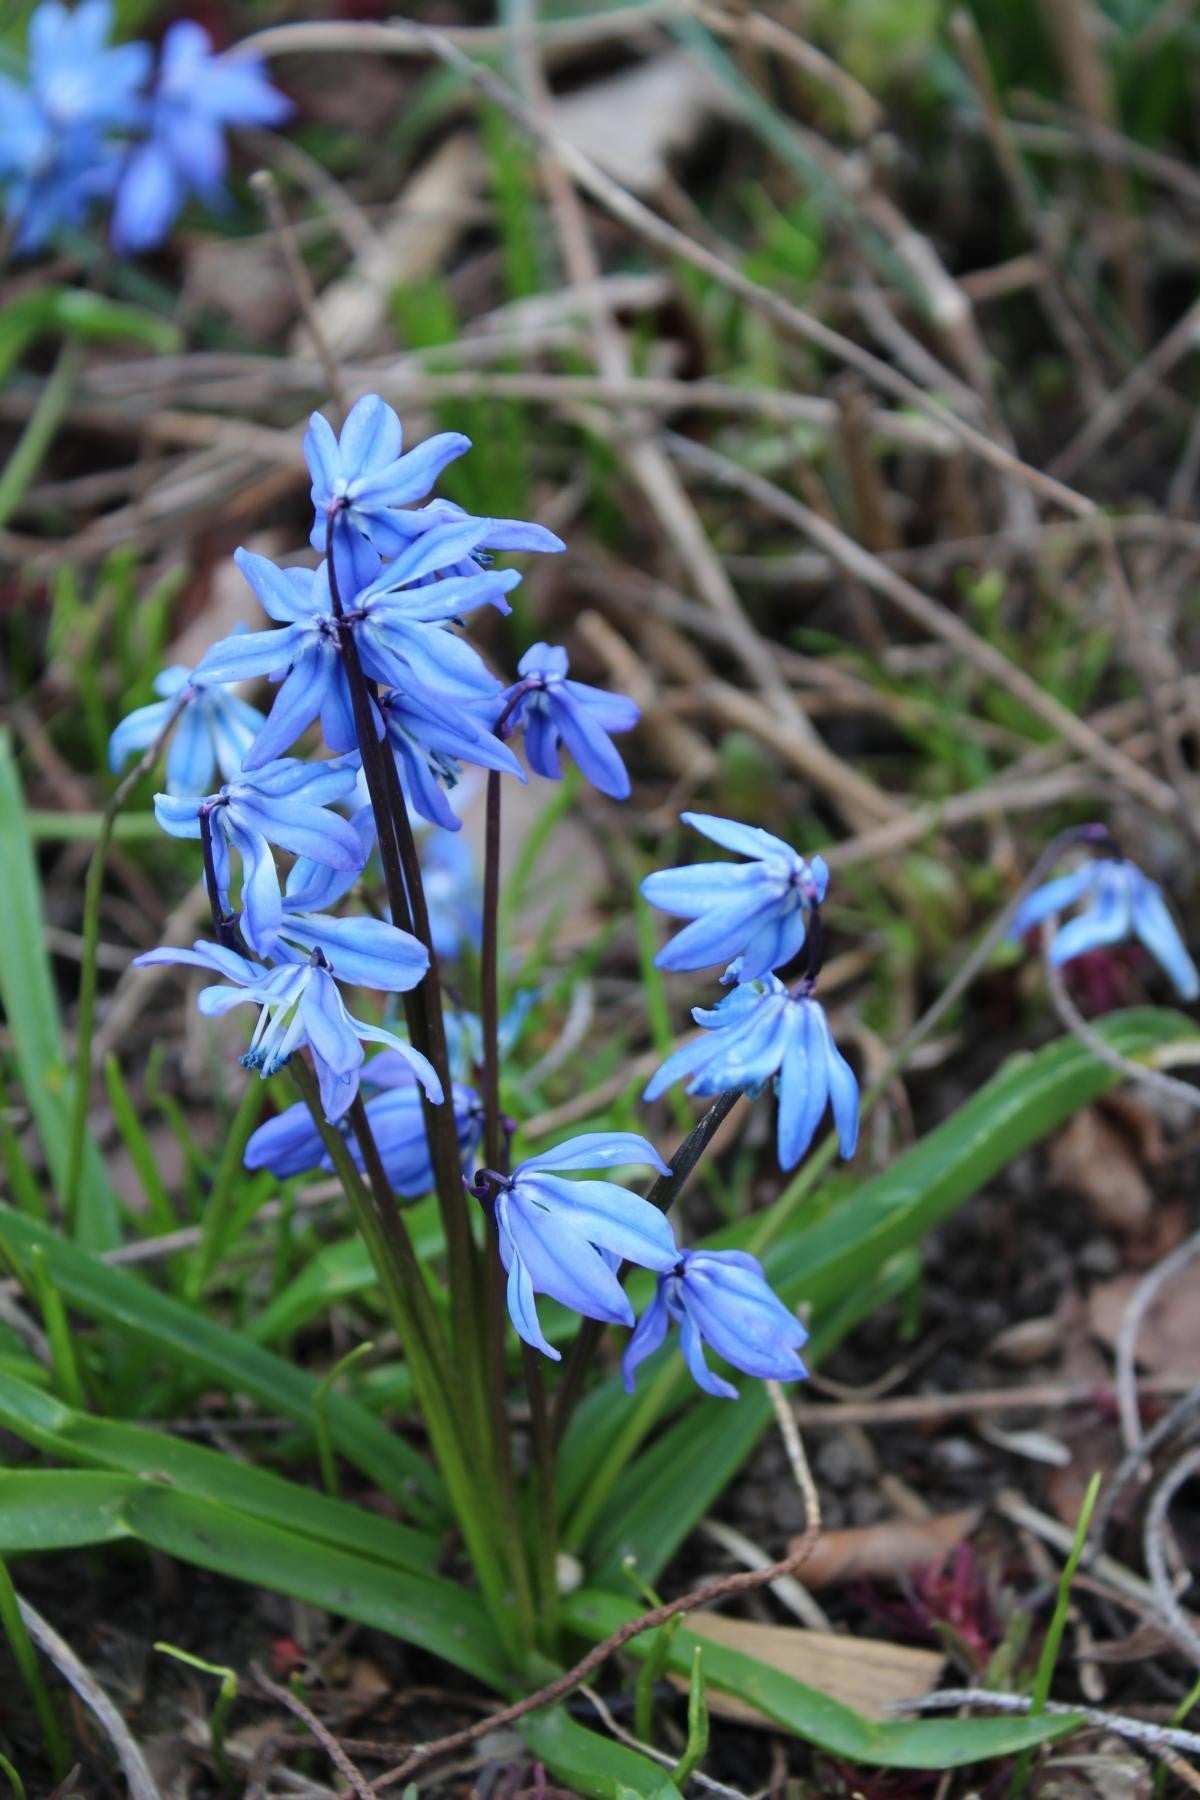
(43, 422)
(93, 892)
(640, 1419)
(25, 1657)
(223, 1194)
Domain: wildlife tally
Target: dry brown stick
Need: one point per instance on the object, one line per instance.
(720, 1587)
(267, 188)
(1115, 408)
(399, 38)
(358, 1782)
(1154, 1545)
(1131, 1323)
(921, 1409)
(930, 616)
(863, 110)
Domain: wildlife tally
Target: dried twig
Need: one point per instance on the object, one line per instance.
(1138, 1731)
(1154, 1543)
(133, 1764)
(359, 1785)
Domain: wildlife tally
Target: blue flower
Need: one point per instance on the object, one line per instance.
(429, 741)
(214, 731)
(464, 1031)
(566, 1238)
(499, 534)
(301, 1006)
(454, 893)
(362, 477)
(755, 910)
(290, 1144)
(57, 157)
(720, 1298)
(1123, 903)
(760, 1032)
(555, 711)
(196, 97)
(286, 804)
(403, 640)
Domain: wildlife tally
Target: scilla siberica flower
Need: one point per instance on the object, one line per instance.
(500, 534)
(285, 803)
(565, 1239)
(557, 712)
(760, 1032)
(1123, 903)
(213, 731)
(429, 741)
(301, 1006)
(401, 629)
(290, 1143)
(754, 910)
(196, 97)
(57, 154)
(720, 1298)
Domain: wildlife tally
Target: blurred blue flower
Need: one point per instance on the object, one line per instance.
(214, 731)
(464, 1032)
(403, 640)
(454, 892)
(290, 1144)
(301, 1005)
(286, 803)
(361, 476)
(196, 97)
(755, 910)
(557, 712)
(760, 1032)
(430, 740)
(56, 153)
(720, 1298)
(1122, 903)
(565, 1239)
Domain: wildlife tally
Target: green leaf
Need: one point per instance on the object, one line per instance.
(588, 1763)
(63, 1509)
(820, 1720)
(31, 1007)
(196, 1342)
(84, 314)
(340, 1272)
(76, 1437)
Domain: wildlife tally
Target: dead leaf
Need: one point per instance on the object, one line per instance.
(1028, 1341)
(865, 1673)
(662, 106)
(1093, 1157)
(892, 1547)
(1169, 1338)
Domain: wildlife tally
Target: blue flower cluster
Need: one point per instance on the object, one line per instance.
(761, 914)
(94, 123)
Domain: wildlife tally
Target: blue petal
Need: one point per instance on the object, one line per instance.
(288, 1145)
(364, 952)
(371, 438)
(648, 1336)
(1053, 897)
(1157, 930)
(137, 731)
(745, 840)
(609, 1217)
(598, 1150)
(693, 1354)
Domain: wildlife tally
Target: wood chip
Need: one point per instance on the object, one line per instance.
(891, 1547)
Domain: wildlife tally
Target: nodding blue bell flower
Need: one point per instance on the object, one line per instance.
(197, 96)
(285, 803)
(500, 534)
(558, 713)
(214, 730)
(760, 1032)
(401, 625)
(1122, 903)
(361, 476)
(755, 910)
(301, 1006)
(565, 1239)
(720, 1298)
(290, 1143)
(429, 741)
(58, 156)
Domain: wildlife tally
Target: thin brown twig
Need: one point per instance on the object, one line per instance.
(1154, 1544)
(359, 1785)
(267, 188)
(1126, 1347)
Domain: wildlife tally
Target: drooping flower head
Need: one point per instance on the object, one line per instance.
(758, 1033)
(565, 1239)
(214, 731)
(558, 713)
(197, 97)
(58, 152)
(284, 803)
(301, 1006)
(720, 1298)
(429, 741)
(755, 910)
(499, 534)
(1121, 903)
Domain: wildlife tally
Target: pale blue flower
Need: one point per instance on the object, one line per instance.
(754, 910)
(565, 1239)
(498, 534)
(197, 96)
(214, 731)
(557, 712)
(758, 1033)
(1122, 903)
(286, 803)
(720, 1298)
(301, 1006)
(430, 740)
